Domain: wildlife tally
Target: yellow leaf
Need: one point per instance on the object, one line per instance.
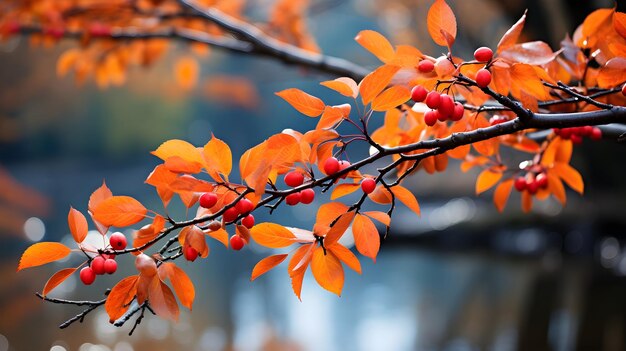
(376, 82)
(266, 265)
(306, 104)
(391, 98)
(327, 271)
(272, 235)
(377, 44)
(441, 23)
(41, 253)
(486, 180)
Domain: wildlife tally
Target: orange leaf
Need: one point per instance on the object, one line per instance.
(376, 81)
(407, 198)
(441, 23)
(78, 225)
(619, 23)
(377, 44)
(487, 179)
(266, 264)
(194, 236)
(41, 253)
(391, 98)
(162, 300)
(332, 115)
(56, 279)
(148, 232)
(346, 256)
(119, 298)
(344, 86)
(366, 237)
(303, 102)
(179, 165)
(218, 157)
(339, 228)
(502, 193)
(186, 71)
(556, 188)
(183, 286)
(328, 212)
(327, 271)
(180, 148)
(343, 190)
(570, 176)
(612, 73)
(99, 195)
(382, 217)
(272, 235)
(119, 211)
(220, 235)
(527, 201)
(512, 35)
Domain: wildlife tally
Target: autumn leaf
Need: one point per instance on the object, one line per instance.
(376, 81)
(162, 300)
(612, 73)
(220, 235)
(179, 148)
(148, 232)
(556, 188)
(179, 165)
(41, 253)
(78, 225)
(511, 36)
(344, 86)
(327, 271)
(343, 190)
(218, 157)
(193, 236)
(56, 279)
(377, 44)
(266, 265)
(502, 193)
(407, 198)
(339, 228)
(486, 180)
(304, 103)
(119, 211)
(570, 176)
(333, 115)
(346, 256)
(619, 23)
(366, 237)
(382, 217)
(391, 98)
(118, 300)
(441, 23)
(272, 235)
(99, 195)
(183, 286)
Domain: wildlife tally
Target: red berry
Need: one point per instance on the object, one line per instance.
(440, 116)
(294, 179)
(587, 131)
(433, 99)
(190, 253)
(624, 89)
(87, 276)
(230, 215)
(244, 206)
(576, 139)
(483, 78)
(458, 113)
(307, 196)
(331, 166)
(117, 241)
(418, 93)
(565, 133)
(542, 180)
(248, 221)
(446, 106)
(99, 30)
(343, 164)
(426, 66)
(520, 184)
(215, 225)
(293, 199)
(430, 117)
(596, 133)
(237, 242)
(368, 185)
(532, 186)
(208, 200)
(97, 265)
(110, 266)
(483, 54)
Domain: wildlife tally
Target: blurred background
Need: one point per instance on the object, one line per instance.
(461, 277)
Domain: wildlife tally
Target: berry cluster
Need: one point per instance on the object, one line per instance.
(443, 107)
(103, 264)
(306, 196)
(576, 134)
(483, 76)
(531, 183)
(242, 207)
